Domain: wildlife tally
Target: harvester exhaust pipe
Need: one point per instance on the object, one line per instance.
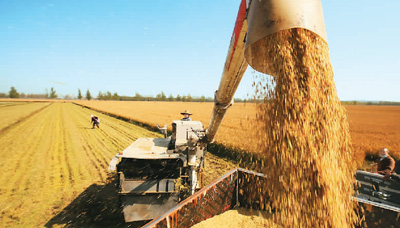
(256, 20)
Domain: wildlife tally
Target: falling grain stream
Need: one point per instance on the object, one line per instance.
(303, 135)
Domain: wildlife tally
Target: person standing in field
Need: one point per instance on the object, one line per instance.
(386, 163)
(186, 115)
(95, 120)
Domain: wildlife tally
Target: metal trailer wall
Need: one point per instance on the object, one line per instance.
(244, 188)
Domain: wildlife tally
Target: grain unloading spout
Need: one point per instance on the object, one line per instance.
(267, 17)
(256, 20)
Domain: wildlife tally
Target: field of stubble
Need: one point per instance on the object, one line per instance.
(55, 167)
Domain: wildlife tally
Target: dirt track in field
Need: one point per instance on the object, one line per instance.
(55, 167)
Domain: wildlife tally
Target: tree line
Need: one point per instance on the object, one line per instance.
(159, 97)
(162, 97)
(13, 93)
(386, 103)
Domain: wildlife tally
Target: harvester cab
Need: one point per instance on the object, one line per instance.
(154, 174)
(185, 133)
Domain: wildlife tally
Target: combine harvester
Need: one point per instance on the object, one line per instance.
(155, 174)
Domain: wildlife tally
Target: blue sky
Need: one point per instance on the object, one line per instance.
(178, 47)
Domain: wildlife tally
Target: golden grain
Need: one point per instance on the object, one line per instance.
(305, 134)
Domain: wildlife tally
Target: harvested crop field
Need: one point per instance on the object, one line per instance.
(13, 112)
(374, 127)
(55, 167)
(371, 127)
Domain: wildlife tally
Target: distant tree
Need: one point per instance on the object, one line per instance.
(115, 96)
(22, 95)
(13, 93)
(79, 94)
(88, 95)
(161, 97)
(107, 96)
(189, 98)
(3, 95)
(170, 98)
(178, 98)
(100, 96)
(203, 98)
(53, 94)
(138, 97)
(67, 97)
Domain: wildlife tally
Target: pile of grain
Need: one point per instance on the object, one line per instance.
(239, 218)
(305, 134)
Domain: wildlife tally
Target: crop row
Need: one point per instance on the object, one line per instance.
(13, 112)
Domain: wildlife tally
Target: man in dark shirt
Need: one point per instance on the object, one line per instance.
(385, 163)
(95, 121)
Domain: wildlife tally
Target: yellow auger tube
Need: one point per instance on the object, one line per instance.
(234, 69)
